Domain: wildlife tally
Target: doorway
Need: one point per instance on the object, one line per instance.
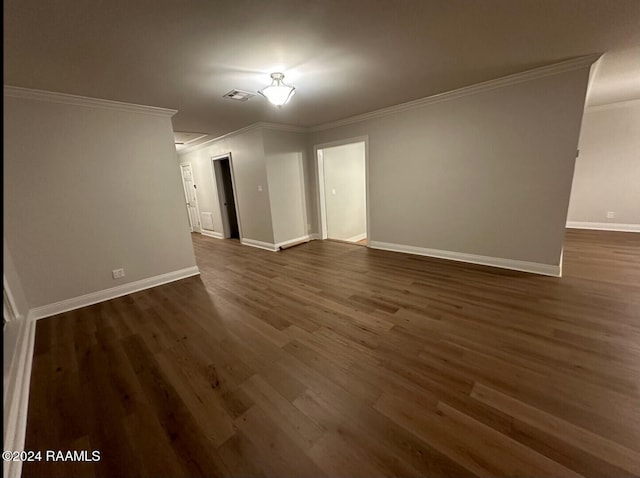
(223, 176)
(342, 188)
(190, 197)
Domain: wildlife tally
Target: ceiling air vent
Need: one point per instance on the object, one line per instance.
(238, 95)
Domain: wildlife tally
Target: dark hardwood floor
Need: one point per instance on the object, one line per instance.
(331, 359)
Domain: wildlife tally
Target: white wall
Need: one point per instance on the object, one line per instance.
(287, 165)
(487, 173)
(345, 191)
(251, 183)
(87, 190)
(607, 172)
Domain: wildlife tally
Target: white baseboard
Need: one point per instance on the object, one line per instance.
(315, 236)
(604, 226)
(215, 234)
(533, 267)
(259, 244)
(293, 241)
(112, 293)
(357, 238)
(276, 247)
(16, 392)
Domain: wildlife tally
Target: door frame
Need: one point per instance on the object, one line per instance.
(225, 233)
(9, 308)
(319, 163)
(186, 197)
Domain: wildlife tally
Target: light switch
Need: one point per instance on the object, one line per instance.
(260, 187)
(333, 192)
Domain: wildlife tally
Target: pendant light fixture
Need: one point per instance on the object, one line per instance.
(278, 93)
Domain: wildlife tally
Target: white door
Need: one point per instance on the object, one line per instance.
(190, 196)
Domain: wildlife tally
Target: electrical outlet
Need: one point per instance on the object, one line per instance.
(117, 273)
(611, 214)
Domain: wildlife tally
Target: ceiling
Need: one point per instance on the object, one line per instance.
(345, 57)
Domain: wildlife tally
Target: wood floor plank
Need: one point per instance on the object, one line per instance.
(301, 429)
(579, 437)
(156, 453)
(478, 448)
(375, 439)
(190, 441)
(240, 457)
(556, 393)
(285, 384)
(326, 372)
(339, 454)
(279, 454)
(195, 390)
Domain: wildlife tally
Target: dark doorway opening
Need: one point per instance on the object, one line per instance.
(224, 181)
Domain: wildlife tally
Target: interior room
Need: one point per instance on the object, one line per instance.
(321, 238)
(342, 187)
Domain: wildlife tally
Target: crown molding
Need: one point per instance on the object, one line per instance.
(246, 129)
(204, 144)
(282, 127)
(614, 105)
(53, 97)
(549, 70)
